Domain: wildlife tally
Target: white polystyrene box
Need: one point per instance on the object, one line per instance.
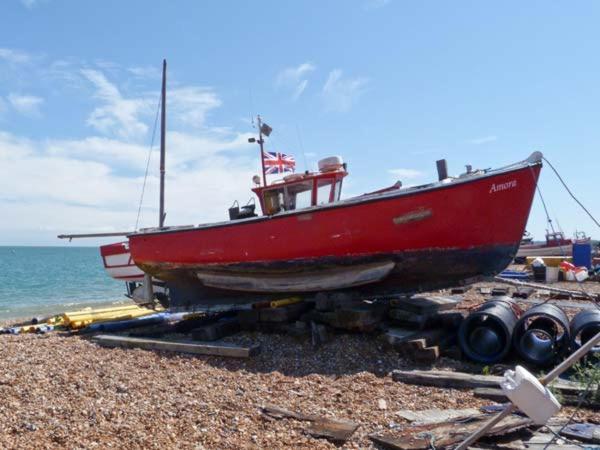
(525, 391)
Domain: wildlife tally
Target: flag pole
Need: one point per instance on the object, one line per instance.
(262, 155)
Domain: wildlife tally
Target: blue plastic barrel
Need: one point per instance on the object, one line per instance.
(582, 254)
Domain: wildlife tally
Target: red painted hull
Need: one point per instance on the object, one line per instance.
(118, 262)
(434, 236)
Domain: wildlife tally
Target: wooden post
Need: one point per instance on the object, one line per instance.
(148, 288)
(161, 212)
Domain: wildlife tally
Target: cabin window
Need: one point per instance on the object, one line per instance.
(299, 195)
(324, 191)
(274, 201)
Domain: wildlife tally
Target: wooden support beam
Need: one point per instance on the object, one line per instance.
(198, 348)
(461, 380)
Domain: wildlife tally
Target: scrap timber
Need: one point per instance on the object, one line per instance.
(335, 430)
(198, 348)
(461, 380)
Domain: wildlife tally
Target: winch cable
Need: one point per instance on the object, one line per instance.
(571, 193)
(556, 435)
(548, 219)
(580, 204)
(137, 220)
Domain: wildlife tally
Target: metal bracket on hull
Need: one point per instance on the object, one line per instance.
(314, 281)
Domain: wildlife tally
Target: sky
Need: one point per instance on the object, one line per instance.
(389, 85)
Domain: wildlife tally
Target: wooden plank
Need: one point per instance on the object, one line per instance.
(586, 432)
(288, 313)
(186, 346)
(281, 413)
(397, 336)
(429, 416)
(523, 292)
(333, 430)
(461, 380)
(217, 330)
(444, 434)
(565, 399)
(336, 430)
(423, 305)
(363, 317)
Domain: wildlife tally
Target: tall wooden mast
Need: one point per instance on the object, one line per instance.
(163, 109)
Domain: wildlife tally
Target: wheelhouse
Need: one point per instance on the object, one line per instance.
(301, 190)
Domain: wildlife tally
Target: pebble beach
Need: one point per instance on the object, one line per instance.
(64, 391)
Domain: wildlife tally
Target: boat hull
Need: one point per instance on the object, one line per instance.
(559, 250)
(119, 264)
(415, 239)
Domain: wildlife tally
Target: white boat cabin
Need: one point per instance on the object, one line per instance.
(298, 190)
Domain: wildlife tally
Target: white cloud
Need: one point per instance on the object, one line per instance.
(29, 3)
(295, 78)
(100, 149)
(117, 115)
(190, 105)
(145, 72)
(406, 173)
(28, 105)
(14, 56)
(60, 186)
(341, 93)
(483, 140)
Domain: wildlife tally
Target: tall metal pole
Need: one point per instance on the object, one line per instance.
(163, 109)
(262, 156)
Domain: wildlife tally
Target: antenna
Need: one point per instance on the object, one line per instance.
(301, 146)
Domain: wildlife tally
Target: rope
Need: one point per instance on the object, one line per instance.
(571, 193)
(137, 219)
(548, 219)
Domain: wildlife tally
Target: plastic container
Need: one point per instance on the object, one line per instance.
(582, 254)
(581, 274)
(538, 262)
(539, 273)
(552, 274)
(525, 391)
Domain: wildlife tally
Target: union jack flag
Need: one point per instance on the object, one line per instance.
(276, 162)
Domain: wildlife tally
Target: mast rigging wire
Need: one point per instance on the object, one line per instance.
(137, 219)
(571, 193)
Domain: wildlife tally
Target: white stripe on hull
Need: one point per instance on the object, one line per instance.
(125, 272)
(122, 259)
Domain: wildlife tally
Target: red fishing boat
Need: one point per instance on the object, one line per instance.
(309, 240)
(556, 245)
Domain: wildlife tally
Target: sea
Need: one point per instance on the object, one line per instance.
(42, 281)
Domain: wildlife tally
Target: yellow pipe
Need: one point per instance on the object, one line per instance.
(285, 302)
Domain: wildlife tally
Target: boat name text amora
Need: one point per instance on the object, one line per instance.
(503, 186)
